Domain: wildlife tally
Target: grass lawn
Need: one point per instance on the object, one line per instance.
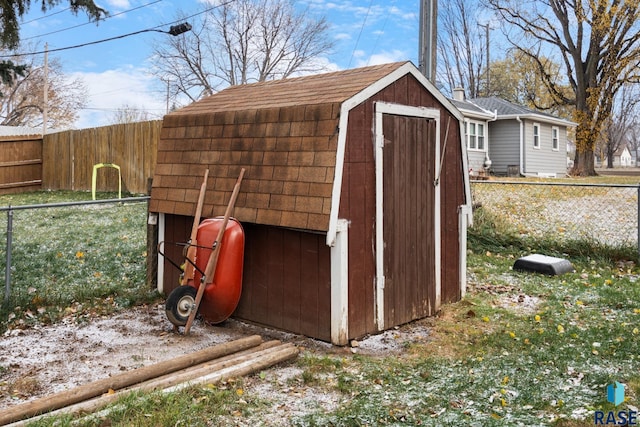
(520, 349)
(72, 261)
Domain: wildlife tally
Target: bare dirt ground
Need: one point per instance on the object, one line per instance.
(40, 361)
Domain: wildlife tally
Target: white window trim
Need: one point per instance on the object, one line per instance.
(467, 138)
(556, 130)
(536, 146)
(482, 125)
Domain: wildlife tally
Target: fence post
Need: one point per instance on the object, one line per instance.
(7, 271)
(152, 243)
(638, 222)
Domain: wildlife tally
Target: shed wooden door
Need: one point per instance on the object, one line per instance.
(409, 220)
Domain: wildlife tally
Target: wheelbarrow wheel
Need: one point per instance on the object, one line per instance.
(179, 304)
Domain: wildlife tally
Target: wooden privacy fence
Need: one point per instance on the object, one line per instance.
(70, 156)
(20, 164)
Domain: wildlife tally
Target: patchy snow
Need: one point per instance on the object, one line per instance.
(43, 360)
(393, 340)
(521, 304)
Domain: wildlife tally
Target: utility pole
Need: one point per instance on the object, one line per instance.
(45, 95)
(487, 89)
(428, 38)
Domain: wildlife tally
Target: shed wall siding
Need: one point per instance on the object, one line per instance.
(452, 196)
(176, 233)
(286, 276)
(287, 281)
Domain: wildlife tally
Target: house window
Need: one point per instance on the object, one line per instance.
(472, 136)
(536, 135)
(555, 145)
(475, 135)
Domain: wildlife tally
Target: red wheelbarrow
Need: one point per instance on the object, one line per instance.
(211, 282)
(222, 294)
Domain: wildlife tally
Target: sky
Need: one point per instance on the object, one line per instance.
(365, 32)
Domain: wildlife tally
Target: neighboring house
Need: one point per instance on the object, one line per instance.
(533, 142)
(621, 158)
(523, 142)
(476, 129)
(19, 131)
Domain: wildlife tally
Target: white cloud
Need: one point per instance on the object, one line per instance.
(111, 90)
(383, 58)
(120, 4)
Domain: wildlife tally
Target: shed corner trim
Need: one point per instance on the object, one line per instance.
(336, 191)
(340, 285)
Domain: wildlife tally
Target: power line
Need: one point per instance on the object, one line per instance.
(46, 16)
(86, 44)
(116, 109)
(156, 29)
(87, 23)
(360, 34)
(384, 25)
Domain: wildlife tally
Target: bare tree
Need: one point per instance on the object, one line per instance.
(461, 46)
(598, 44)
(22, 100)
(239, 42)
(618, 129)
(129, 114)
(633, 140)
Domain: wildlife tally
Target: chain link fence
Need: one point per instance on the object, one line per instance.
(604, 213)
(58, 251)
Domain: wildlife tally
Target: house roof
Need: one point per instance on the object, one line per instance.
(6, 131)
(469, 109)
(508, 110)
(284, 133)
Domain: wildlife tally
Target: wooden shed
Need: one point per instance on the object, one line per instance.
(355, 200)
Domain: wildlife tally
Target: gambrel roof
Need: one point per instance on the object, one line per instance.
(284, 132)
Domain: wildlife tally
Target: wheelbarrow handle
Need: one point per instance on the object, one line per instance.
(209, 271)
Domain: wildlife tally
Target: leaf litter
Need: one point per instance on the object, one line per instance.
(37, 360)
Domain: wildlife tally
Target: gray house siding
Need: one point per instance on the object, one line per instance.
(512, 125)
(504, 146)
(476, 160)
(544, 160)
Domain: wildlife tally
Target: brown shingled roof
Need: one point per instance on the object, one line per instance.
(283, 132)
(316, 89)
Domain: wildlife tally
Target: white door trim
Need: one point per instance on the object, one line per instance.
(382, 108)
